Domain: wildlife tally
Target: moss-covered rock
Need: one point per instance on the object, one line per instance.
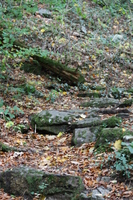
(27, 181)
(107, 136)
(90, 94)
(100, 103)
(126, 103)
(53, 121)
(112, 122)
(82, 135)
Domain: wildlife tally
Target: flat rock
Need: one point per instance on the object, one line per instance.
(83, 135)
(24, 181)
(53, 121)
(98, 194)
(44, 12)
(101, 102)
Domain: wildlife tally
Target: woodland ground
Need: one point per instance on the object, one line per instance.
(79, 39)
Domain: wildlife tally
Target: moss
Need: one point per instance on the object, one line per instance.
(40, 120)
(57, 119)
(109, 135)
(61, 185)
(4, 147)
(98, 87)
(33, 67)
(66, 118)
(46, 119)
(83, 134)
(77, 194)
(74, 142)
(90, 94)
(112, 122)
(33, 182)
(100, 103)
(128, 102)
(60, 67)
(130, 90)
(29, 181)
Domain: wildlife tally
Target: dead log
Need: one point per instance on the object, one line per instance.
(69, 75)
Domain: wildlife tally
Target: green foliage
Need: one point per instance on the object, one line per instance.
(128, 147)
(52, 96)
(29, 89)
(24, 89)
(120, 160)
(83, 87)
(14, 9)
(117, 92)
(115, 6)
(100, 2)
(11, 30)
(9, 113)
(55, 4)
(64, 87)
(80, 10)
(19, 127)
(9, 124)
(1, 103)
(42, 187)
(2, 76)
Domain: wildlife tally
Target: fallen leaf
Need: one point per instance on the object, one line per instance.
(42, 30)
(46, 148)
(64, 93)
(83, 116)
(9, 124)
(62, 140)
(62, 40)
(60, 134)
(50, 137)
(91, 150)
(117, 144)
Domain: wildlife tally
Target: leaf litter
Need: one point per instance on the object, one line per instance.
(55, 154)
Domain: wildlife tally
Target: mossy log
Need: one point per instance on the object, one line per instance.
(68, 74)
(71, 76)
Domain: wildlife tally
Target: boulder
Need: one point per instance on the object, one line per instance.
(53, 121)
(44, 12)
(26, 182)
(83, 135)
(101, 103)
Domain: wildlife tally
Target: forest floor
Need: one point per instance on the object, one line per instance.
(99, 42)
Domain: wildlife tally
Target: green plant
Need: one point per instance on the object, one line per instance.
(12, 29)
(112, 122)
(128, 147)
(121, 160)
(9, 124)
(1, 103)
(29, 89)
(80, 10)
(52, 96)
(9, 113)
(19, 127)
(117, 92)
(56, 4)
(43, 186)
